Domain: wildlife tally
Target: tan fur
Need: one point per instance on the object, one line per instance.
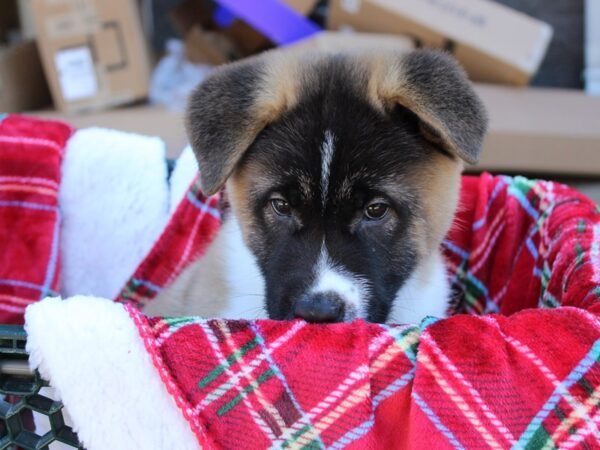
(387, 85)
(438, 184)
(451, 113)
(383, 80)
(280, 88)
(200, 289)
(439, 187)
(238, 188)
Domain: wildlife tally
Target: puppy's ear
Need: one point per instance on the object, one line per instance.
(433, 86)
(228, 110)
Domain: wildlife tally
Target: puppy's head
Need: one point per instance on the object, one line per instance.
(343, 170)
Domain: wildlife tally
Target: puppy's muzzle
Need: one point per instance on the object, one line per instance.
(320, 307)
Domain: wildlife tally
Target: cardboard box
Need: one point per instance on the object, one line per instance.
(541, 131)
(252, 41)
(26, 19)
(22, 82)
(336, 41)
(209, 47)
(93, 51)
(493, 42)
(149, 120)
(533, 131)
(190, 13)
(9, 19)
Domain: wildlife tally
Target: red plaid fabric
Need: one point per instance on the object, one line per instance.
(30, 154)
(521, 243)
(528, 378)
(194, 225)
(526, 381)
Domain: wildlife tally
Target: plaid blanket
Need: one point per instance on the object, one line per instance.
(194, 225)
(519, 243)
(30, 156)
(530, 379)
(527, 377)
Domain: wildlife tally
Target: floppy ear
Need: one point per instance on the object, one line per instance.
(433, 86)
(228, 110)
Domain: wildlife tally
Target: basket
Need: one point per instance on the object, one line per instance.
(20, 389)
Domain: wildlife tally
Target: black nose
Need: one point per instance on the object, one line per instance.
(320, 307)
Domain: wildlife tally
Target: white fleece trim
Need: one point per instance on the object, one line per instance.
(114, 201)
(91, 352)
(186, 168)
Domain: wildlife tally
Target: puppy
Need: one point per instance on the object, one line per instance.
(343, 174)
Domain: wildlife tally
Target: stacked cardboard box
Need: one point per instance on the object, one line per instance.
(94, 54)
(494, 43)
(93, 51)
(22, 82)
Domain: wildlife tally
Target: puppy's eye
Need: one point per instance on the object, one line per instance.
(376, 210)
(281, 207)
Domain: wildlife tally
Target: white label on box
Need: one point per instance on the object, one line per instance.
(351, 6)
(76, 73)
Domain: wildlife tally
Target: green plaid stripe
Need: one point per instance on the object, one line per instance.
(247, 390)
(174, 323)
(236, 356)
(474, 294)
(294, 437)
(135, 288)
(579, 255)
(539, 439)
(474, 297)
(522, 184)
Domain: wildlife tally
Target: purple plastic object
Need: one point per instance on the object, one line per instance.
(280, 23)
(223, 17)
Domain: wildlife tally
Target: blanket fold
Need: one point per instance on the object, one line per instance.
(30, 155)
(530, 380)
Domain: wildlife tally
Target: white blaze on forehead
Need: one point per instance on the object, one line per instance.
(327, 149)
(351, 289)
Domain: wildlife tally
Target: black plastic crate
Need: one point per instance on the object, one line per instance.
(20, 389)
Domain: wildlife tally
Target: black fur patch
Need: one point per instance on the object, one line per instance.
(445, 94)
(225, 99)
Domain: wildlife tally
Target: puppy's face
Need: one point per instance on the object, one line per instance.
(345, 178)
